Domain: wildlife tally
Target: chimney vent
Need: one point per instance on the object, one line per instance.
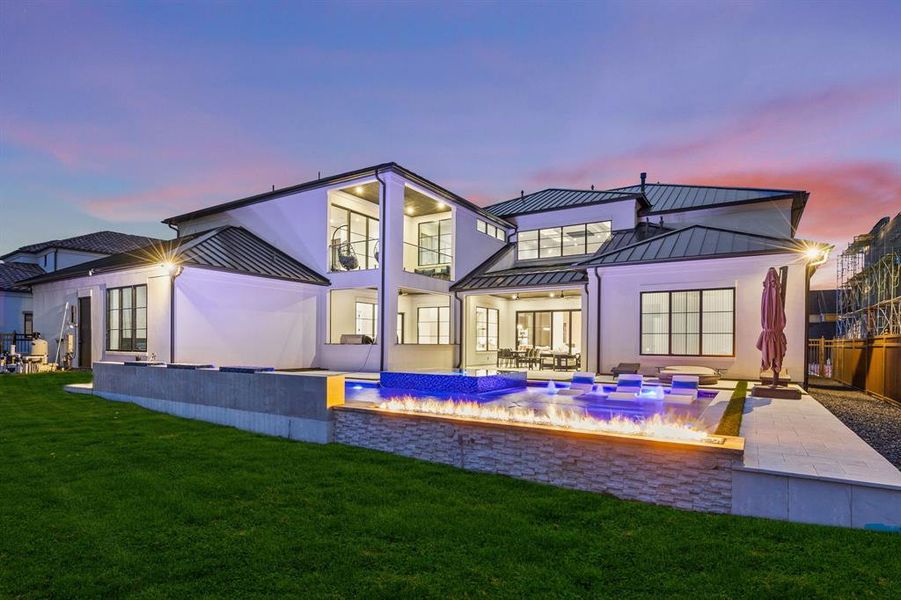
(522, 194)
(592, 187)
(643, 177)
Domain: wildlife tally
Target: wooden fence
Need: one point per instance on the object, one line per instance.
(872, 365)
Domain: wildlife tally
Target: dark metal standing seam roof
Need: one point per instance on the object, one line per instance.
(232, 249)
(668, 197)
(694, 242)
(12, 273)
(555, 198)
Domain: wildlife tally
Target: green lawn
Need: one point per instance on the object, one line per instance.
(106, 499)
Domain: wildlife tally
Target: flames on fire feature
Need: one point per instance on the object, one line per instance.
(656, 426)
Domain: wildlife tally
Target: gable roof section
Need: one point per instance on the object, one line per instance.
(693, 243)
(334, 180)
(232, 249)
(563, 270)
(12, 273)
(99, 242)
(556, 198)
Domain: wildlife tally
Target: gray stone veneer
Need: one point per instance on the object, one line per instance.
(682, 475)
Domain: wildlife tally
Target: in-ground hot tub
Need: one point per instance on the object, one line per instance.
(469, 381)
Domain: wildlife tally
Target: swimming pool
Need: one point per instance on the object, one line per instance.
(542, 397)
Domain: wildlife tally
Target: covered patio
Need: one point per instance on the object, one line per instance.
(540, 331)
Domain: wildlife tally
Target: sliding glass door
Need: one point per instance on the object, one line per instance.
(557, 330)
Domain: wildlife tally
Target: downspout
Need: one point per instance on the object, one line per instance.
(172, 278)
(585, 346)
(461, 337)
(382, 262)
(597, 340)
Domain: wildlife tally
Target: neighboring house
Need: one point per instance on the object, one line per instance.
(16, 314)
(822, 314)
(297, 277)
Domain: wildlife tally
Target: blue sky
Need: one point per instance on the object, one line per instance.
(114, 116)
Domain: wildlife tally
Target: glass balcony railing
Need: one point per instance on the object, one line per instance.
(358, 255)
(431, 262)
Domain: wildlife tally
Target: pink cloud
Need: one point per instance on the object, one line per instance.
(764, 136)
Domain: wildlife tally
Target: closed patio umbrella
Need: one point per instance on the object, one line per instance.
(771, 342)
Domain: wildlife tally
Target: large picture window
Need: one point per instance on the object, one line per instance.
(435, 242)
(688, 322)
(126, 319)
(486, 329)
(569, 240)
(366, 319)
(433, 325)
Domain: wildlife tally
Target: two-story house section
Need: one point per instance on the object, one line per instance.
(27, 262)
(380, 268)
(654, 274)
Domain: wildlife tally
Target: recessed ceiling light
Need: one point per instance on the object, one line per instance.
(410, 210)
(359, 189)
(552, 294)
(442, 206)
(516, 296)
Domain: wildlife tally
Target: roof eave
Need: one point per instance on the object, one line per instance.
(334, 180)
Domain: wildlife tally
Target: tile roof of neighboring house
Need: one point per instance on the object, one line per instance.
(12, 273)
(562, 270)
(692, 243)
(333, 180)
(100, 242)
(555, 198)
(228, 248)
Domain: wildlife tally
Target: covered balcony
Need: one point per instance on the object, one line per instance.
(428, 235)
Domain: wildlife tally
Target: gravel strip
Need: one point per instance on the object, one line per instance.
(877, 422)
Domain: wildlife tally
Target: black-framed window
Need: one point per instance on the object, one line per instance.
(400, 327)
(486, 328)
(552, 329)
(126, 319)
(688, 322)
(27, 323)
(365, 318)
(433, 325)
(492, 230)
(435, 239)
(352, 232)
(567, 240)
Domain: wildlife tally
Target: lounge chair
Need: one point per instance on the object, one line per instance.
(628, 387)
(705, 375)
(684, 389)
(582, 381)
(626, 369)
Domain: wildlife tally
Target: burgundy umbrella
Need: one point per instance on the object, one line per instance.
(771, 342)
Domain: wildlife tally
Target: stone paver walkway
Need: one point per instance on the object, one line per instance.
(802, 437)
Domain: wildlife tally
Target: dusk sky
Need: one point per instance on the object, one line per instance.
(116, 115)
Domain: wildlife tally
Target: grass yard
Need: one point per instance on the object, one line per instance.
(106, 499)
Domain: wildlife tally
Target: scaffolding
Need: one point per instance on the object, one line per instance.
(869, 283)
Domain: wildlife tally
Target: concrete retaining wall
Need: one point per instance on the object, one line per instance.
(293, 405)
(686, 476)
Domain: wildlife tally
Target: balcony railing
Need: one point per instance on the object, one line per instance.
(427, 261)
(20, 341)
(359, 255)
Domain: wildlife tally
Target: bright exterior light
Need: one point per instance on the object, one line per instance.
(169, 267)
(410, 210)
(551, 294)
(442, 206)
(516, 296)
(359, 189)
(816, 255)
(812, 253)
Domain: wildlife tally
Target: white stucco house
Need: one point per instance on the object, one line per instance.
(656, 274)
(27, 262)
